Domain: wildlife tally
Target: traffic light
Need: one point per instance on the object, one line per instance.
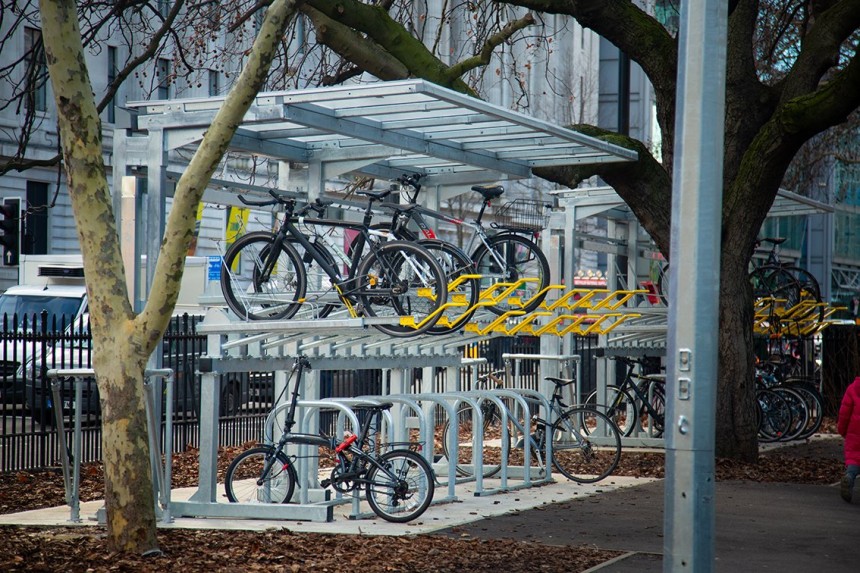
(10, 239)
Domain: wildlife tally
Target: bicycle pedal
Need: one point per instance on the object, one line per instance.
(325, 483)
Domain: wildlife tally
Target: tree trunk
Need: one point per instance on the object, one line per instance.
(735, 410)
(129, 496)
(122, 342)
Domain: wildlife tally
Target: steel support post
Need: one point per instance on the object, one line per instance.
(694, 288)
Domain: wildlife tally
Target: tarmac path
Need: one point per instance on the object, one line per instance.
(759, 527)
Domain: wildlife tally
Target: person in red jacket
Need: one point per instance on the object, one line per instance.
(848, 425)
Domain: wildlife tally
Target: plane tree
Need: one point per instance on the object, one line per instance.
(122, 339)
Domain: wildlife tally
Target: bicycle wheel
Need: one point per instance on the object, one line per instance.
(656, 391)
(454, 263)
(255, 293)
(406, 493)
(245, 483)
(402, 279)
(492, 440)
(619, 406)
(814, 406)
(507, 258)
(774, 415)
(799, 412)
(778, 282)
(585, 456)
(319, 292)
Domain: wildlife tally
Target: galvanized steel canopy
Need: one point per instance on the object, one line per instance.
(386, 128)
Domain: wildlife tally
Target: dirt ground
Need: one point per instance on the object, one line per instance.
(815, 461)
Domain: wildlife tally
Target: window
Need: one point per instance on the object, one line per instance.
(37, 72)
(34, 231)
(162, 75)
(111, 76)
(214, 87)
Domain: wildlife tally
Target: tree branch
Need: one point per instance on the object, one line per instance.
(195, 178)
(821, 47)
(638, 35)
(377, 24)
(483, 57)
(644, 185)
(351, 45)
(146, 56)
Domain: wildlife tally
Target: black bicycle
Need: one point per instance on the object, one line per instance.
(777, 279)
(504, 257)
(638, 403)
(399, 483)
(264, 274)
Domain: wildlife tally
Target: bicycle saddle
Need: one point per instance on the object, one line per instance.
(560, 381)
(773, 240)
(376, 195)
(489, 191)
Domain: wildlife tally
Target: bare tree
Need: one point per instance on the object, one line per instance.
(123, 340)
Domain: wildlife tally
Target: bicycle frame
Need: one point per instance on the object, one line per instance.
(417, 213)
(353, 468)
(346, 288)
(643, 396)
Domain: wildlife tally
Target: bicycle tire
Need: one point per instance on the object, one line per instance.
(585, 457)
(454, 263)
(317, 281)
(814, 404)
(243, 477)
(492, 432)
(410, 496)
(250, 297)
(622, 411)
(523, 259)
(656, 391)
(406, 266)
(774, 415)
(799, 412)
(778, 282)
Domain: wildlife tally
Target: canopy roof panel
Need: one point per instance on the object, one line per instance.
(391, 126)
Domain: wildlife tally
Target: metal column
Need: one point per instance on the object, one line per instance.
(694, 288)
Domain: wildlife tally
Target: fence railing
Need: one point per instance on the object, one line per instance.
(32, 345)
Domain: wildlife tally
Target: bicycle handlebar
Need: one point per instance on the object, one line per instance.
(278, 199)
(319, 206)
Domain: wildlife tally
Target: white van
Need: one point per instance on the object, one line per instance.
(56, 293)
(26, 310)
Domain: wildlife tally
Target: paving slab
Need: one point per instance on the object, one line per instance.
(466, 508)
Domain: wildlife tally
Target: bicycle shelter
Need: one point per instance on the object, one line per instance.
(378, 130)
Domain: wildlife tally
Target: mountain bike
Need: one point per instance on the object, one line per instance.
(263, 274)
(639, 402)
(585, 444)
(506, 257)
(398, 484)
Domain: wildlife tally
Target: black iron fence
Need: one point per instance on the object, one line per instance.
(33, 345)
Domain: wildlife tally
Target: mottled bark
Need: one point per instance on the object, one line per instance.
(123, 342)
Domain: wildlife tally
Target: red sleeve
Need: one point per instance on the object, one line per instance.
(845, 410)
